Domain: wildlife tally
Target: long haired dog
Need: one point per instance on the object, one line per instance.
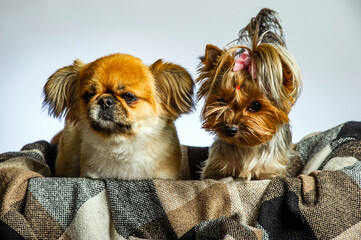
(119, 117)
(249, 90)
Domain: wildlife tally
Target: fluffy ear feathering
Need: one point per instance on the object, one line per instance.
(61, 90)
(119, 117)
(249, 90)
(174, 87)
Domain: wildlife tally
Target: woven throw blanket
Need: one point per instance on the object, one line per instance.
(321, 199)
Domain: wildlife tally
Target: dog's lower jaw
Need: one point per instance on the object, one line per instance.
(263, 161)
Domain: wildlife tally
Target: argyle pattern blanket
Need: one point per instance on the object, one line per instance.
(321, 199)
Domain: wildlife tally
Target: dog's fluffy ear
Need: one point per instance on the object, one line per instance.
(292, 81)
(210, 68)
(211, 57)
(174, 86)
(61, 91)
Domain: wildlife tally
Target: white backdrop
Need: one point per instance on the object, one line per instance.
(39, 36)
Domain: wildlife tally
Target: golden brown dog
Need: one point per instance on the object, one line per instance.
(119, 117)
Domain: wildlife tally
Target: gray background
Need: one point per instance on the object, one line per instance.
(39, 36)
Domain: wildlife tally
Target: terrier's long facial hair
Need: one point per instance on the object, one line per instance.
(242, 115)
(242, 110)
(248, 108)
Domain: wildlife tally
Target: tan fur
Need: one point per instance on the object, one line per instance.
(119, 123)
(170, 79)
(260, 145)
(56, 138)
(263, 161)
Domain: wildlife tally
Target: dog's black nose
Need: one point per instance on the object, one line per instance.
(106, 102)
(230, 130)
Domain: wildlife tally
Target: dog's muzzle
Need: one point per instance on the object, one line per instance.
(230, 131)
(107, 105)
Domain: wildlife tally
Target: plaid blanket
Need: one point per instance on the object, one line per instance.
(320, 200)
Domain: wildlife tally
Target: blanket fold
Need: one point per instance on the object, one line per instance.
(321, 199)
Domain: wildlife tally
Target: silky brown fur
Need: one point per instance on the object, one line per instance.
(262, 141)
(175, 96)
(119, 117)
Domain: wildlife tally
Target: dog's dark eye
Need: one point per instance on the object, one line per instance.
(87, 96)
(129, 97)
(255, 106)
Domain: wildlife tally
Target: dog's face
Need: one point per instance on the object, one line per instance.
(239, 109)
(118, 94)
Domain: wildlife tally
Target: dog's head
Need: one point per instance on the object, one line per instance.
(249, 91)
(118, 94)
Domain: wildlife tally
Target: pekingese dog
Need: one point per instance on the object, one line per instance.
(119, 117)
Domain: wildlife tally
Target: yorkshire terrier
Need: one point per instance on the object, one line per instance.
(249, 90)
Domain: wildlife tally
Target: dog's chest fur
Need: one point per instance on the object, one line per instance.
(135, 157)
(252, 162)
